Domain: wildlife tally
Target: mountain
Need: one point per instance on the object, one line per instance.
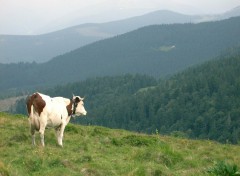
(157, 50)
(235, 12)
(231, 13)
(94, 150)
(42, 48)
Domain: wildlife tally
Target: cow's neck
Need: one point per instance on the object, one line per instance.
(70, 107)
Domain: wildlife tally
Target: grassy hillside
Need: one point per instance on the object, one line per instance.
(92, 150)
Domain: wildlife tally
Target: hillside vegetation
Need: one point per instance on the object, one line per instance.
(144, 51)
(93, 150)
(202, 102)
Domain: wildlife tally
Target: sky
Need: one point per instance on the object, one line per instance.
(31, 17)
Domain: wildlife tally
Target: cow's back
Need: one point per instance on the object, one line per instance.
(47, 110)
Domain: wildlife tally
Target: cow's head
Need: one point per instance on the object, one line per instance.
(78, 106)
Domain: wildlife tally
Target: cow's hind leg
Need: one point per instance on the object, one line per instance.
(41, 131)
(33, 135)
(42, 137)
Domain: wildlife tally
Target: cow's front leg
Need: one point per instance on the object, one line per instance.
(57, 130)
(59, 133)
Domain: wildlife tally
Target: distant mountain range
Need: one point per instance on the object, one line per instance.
(42, 48)
(157, 50)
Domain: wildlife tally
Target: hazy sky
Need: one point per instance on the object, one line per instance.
(38, 16)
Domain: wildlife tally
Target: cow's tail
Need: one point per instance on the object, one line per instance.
(29, 105)
(31, 113)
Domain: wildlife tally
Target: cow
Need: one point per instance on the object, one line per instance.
(45, 111)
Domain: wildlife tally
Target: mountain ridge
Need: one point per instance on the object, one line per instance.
(42, 48)
(157, 50)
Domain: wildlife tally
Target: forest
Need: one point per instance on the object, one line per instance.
(201, 102)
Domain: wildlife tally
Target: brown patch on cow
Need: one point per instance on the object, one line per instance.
(69, 108)
(37, 102)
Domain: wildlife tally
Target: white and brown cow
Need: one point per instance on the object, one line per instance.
(45, 111)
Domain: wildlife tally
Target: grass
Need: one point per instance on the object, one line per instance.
(222, 168)
(93, 150)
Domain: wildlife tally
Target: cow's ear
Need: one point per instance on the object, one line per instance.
(73, 95)
(82, 98)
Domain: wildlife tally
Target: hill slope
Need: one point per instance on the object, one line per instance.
(202, 102)
(101, 151)
(158, 50)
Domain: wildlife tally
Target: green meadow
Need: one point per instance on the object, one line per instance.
(97, 151)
